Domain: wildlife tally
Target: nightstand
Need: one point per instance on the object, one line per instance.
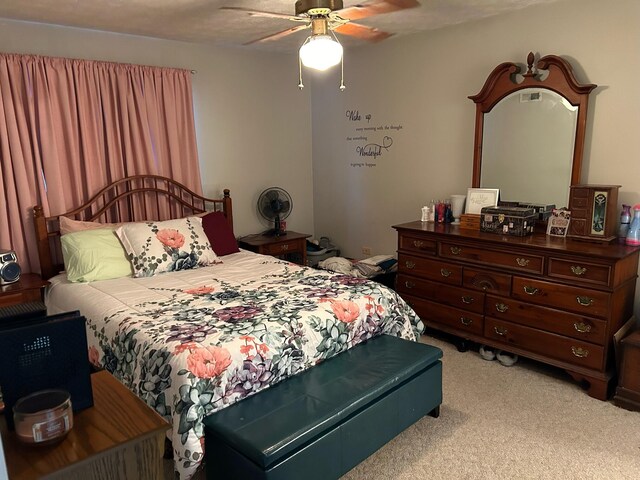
(292, 246)
(628, 391)
(26, 296)
(120, 437)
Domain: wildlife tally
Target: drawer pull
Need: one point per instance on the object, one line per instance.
(285, 247)
(468, 299)
(418, 243)
(500, 331)
(466, 321)
(577, 270)
(582, 327)
(522, 262)
(409, 284)
(501, 307)
(530, 290)
(445, 273)
(584, 301)
(410, 265)
(455, 250)
(580, 352)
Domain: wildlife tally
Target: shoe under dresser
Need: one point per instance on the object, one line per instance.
(552, 299)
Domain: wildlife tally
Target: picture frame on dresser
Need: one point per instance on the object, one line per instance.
(477, 198)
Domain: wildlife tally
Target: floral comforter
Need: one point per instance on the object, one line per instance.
(192, 342)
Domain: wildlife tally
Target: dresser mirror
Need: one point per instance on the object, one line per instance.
(530, 130)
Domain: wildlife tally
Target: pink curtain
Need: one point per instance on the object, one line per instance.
(70, 127)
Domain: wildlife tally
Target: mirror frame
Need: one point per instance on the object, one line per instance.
(560, 79)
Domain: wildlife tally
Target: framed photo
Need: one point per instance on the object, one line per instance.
(481, 197)
(558, 223)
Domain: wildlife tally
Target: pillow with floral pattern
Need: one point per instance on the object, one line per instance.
(157, 247)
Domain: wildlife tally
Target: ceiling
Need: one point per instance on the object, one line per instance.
(202, 21)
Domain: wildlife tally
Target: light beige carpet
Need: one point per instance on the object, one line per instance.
(529, 421)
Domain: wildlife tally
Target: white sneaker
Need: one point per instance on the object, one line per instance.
(487, 353)
(505, 358)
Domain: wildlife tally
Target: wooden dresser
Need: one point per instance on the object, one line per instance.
(551, 299)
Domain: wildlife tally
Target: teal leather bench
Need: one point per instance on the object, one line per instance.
(321, 423)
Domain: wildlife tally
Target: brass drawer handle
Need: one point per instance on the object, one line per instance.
(468, 299)
(445, 273)
(530, 290)
(409, 284)
(501, 307)
(522, 262)
(582, 327)
(455, 250)
(466, 321)
(584, 301)
(577, 270)
(418, 243)
(580, 352)
(409, 264)
(500, 331)
(285, 247)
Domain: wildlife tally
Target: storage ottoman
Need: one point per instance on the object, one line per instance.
(323, 422)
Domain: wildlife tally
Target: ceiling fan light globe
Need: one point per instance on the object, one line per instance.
(320, 52)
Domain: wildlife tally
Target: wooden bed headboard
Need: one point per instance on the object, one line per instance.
(131, 199)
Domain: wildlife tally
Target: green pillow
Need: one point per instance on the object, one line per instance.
(92, 255)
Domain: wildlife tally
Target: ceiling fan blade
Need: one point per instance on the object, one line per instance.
(260, 13)
(376, 7)
(276, 36)
(362, 32)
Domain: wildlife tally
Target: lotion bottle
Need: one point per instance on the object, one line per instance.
(633, 235)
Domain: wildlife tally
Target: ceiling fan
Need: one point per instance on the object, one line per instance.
(324, 17)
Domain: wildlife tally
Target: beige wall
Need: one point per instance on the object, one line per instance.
(422, 82)
(253, 125)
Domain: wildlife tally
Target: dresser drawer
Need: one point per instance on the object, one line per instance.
(490, 282)
(433, 312)
(430, 269)
(562, 348)
(416, 244)
(470, 300)
(579, 271)
(575, 299)
(514, 261)
(282, 248)
(548, 319)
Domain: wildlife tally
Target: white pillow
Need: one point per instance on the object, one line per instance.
(157, 247)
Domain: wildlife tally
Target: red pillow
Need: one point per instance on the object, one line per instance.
(219, 233)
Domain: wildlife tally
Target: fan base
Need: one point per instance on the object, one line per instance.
(274, 233)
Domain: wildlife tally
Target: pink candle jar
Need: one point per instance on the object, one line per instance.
(44, 417)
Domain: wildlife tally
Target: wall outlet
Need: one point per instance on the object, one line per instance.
(366, 251)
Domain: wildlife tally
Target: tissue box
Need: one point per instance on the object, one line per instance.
(517, 221)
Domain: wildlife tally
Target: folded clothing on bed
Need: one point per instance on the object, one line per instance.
(367, 268)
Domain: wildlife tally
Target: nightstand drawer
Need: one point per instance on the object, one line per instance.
(23, 296)
(283, 247)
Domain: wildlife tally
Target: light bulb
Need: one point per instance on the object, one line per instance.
(320, 52)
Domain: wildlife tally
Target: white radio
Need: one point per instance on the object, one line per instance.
(9, 268)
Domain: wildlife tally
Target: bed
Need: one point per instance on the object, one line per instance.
(192, 341)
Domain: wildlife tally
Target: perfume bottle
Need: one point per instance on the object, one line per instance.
(633, 235)
(625, 219)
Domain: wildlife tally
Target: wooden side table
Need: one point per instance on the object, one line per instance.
(30, 288)
(628, 391)
(24, 298)
(119, 438)
(292, 246)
